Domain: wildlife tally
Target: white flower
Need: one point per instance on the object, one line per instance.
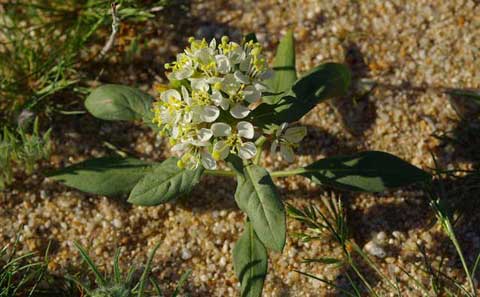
(287, 140)
(222, 148)
(218, 80)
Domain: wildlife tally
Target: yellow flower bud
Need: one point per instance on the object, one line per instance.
(180, 164)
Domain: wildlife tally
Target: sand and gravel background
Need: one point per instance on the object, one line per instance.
(411, 48)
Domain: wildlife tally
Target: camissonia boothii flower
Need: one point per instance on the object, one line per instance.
(286, 139)
(213, 88)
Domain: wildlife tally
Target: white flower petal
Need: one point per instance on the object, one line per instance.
(204, 55)
(209, 114)
(241, 78)
(260, 87)
(186, 95)
(213, 44)
(239, 111)
(223, 64)
(165, 96)
(221, 150)
(295, 134)
(221, 129)
(245, 64)
(247, 150)
(187, 117)
(199, 84)
(267, 74)
(179, 147)
(237, 55)
(204, 134)
(208, 161)
(183, 73)
(274, 147)
(230, 85)
(245, 130)
(251, 94)
(287, 153)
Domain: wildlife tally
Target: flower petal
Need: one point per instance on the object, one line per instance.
(204, 134)
(295, 134)
(179, 147)
(287, 153)
(245, 130)
(223, 64)
(165, 96)
(220, 150)
(239, 111)
(274, 147)
(199, 84)
(247, 150)
(209, 114)
(241, 78)
(208, 161)
(251, 94)
(221, 129)
(186, 95)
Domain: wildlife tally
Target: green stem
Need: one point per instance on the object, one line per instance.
(259, 143)
(285, 173)
(281, 173)
(453, 238)
(220, 173)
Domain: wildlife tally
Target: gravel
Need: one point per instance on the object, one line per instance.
(411, 49)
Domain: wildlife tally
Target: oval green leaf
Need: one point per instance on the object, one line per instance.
(257, 195)
(119, 103)
(323, 82)
(164, 183)
(250, 261)
(108, 176)
(370, 171)
(285, 74)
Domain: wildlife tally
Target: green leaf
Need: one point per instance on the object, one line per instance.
(164, 183)
(108, 176)
(119, 103)
(370, 171)
(285, 74)
(257, 195)
(250, 262)
(323, 82)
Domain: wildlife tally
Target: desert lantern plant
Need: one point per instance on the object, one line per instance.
(221, 108)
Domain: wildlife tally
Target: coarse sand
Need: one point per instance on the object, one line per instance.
(411, 49)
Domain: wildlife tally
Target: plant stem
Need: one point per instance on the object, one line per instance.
(451, 234)
(220, 173)
(259, 143)
(285, 173)
(281, 173)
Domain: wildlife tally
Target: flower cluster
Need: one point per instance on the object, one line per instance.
(204, 111)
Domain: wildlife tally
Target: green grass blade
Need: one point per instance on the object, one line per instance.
(146, 271)
(100, 279)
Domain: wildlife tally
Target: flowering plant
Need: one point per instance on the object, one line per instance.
(220, 108)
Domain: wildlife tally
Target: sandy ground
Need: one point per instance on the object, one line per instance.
(412, 48)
